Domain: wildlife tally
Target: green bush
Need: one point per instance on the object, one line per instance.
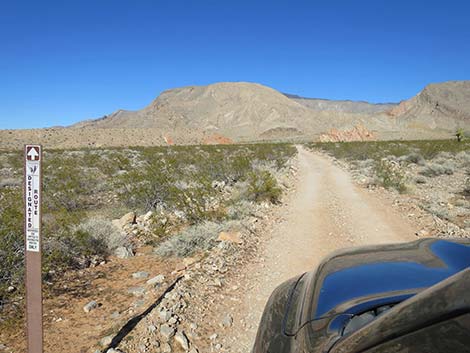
(391, 175)
(262, 186)
(11, 242)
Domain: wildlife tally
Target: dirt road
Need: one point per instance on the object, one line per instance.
(326, 212)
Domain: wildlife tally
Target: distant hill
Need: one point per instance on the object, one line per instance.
(229, 112)
(438, 106)
(346, 106)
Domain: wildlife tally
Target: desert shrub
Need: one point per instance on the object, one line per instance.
(377, 150)
(420, 179)
(466, 188)
(434, 169)
(262, 186)
(190, 240)
(437, 210)
(103, 232)
(149, 187)
(239, 209)
(11, 242)
(415, 158)
(463, 159)
(391, 175)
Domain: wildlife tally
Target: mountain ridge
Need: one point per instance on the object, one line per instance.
(226, 112)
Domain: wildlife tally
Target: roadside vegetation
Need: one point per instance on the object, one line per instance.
(188, 194)
(436, 172)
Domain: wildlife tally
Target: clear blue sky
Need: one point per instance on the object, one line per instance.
(68, 60)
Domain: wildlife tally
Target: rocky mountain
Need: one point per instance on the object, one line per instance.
(346, 106)
(243, 112)
(237, 110)
(441, 106)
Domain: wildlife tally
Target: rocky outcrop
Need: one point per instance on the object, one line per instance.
(358, 133)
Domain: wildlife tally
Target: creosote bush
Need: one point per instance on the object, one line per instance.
(262, 186)
(433, 170)
(391, 175)
(103, 232)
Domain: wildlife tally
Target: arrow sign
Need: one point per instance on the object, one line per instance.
(32, 153)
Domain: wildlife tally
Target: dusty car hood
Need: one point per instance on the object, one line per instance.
(354, 281)
(347, 280)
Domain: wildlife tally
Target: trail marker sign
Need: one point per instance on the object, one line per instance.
(33, 244)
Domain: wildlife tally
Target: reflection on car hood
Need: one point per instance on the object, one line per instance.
(362, 274)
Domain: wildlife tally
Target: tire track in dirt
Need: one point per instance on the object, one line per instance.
(327, 212)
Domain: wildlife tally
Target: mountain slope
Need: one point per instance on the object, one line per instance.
(235, 109)
(242, 112)
(443, 106)
(346, 106)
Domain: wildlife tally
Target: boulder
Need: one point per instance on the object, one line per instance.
(90, 306)
(156, 280)
(166, 331)
(182, 340)
(140, 275)
(127, 219)
(123, 253)
(136, 291)
(230, 237)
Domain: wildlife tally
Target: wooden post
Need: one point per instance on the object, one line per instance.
(33, 246)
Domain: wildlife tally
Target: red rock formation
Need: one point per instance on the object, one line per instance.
(216, 139)
(358, 133)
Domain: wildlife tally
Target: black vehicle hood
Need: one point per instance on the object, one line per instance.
(348, 279)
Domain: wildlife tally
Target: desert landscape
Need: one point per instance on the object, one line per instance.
(240, 112)
(166, 229)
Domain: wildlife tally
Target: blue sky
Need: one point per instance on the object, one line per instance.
(64, 61)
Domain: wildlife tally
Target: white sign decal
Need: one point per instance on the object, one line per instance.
(33, 198)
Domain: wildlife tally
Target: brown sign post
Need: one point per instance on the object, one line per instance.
(33, 246)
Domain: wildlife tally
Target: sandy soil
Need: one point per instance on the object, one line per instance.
(326, 212)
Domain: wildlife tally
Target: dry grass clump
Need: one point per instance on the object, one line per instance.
(196, 238)
(434, 169)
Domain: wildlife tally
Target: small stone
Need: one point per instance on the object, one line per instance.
(213, 337)
(113, 350)
(123, 253)
(164, 315)
(106, 341)
(166, 348)
(156, 280)
(227, 321)
(148, 215)
(182, 340)
(138, 303)
(166, 331)
(151, 328)
(230, 237)
(136, 291)
(90, 306)
(10, 289)
(115, 315)
(218, 346)
(173, 320)
(140, 275)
